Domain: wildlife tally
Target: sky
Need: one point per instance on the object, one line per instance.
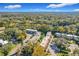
(39, 7)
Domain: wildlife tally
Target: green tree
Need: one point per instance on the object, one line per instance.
(27, 50)
(1, 52)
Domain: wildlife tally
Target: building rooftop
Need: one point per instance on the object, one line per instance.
(31, 30)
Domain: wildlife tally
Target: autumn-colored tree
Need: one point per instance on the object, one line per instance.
(39, 51)
(61, 29)
(21, 36)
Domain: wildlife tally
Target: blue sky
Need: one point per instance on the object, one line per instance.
(39, 7)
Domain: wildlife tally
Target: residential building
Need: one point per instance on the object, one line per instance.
(31, 31)
(45, 42)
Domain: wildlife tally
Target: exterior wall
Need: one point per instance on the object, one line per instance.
(68, 36)
(46, 40)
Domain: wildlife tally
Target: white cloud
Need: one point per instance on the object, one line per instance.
(13, 6)
(76, 10)
(59, 5)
